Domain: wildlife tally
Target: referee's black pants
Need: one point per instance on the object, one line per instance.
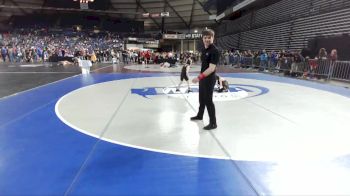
(206, 90)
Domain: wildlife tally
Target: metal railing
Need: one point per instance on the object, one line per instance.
(307, 68)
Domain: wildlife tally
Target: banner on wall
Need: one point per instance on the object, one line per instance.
(183, 36)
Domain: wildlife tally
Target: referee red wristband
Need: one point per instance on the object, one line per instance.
(201, 76)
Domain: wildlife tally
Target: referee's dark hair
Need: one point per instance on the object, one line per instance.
(208, 32)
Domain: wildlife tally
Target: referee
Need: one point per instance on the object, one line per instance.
(207, 79)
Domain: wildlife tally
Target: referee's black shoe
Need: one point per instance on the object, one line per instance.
(196, 118)
(210, 127)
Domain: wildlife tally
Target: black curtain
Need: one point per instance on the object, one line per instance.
(341, 43)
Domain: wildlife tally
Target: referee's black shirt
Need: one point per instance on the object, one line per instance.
(209, 55)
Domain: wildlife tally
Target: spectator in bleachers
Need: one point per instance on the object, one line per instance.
(30, 45)
(237, 58)
(274, 59)
(227, 57)
(322, 54)
(282, 60)
(93, 58)
(249, 59)
(297, 59)
(333, 57)
(231, 58)
(322, 64)
(3, 53)
(134, 56)
(10, 54)
(263, 60)
(147, 57)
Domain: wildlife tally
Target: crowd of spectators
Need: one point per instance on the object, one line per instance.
(41, 45)
(152, 56)
(294, 63)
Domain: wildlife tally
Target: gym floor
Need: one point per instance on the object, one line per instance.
(124, 130)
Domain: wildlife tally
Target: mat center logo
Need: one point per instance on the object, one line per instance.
(235, 92)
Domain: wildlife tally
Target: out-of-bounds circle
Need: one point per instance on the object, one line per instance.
(257, 120)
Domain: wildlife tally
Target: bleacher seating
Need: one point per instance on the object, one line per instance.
(241, 24)
(228, 42)
(332, 23)
(281, 11)
(286, 24)
(319, 6)
(271, 37)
